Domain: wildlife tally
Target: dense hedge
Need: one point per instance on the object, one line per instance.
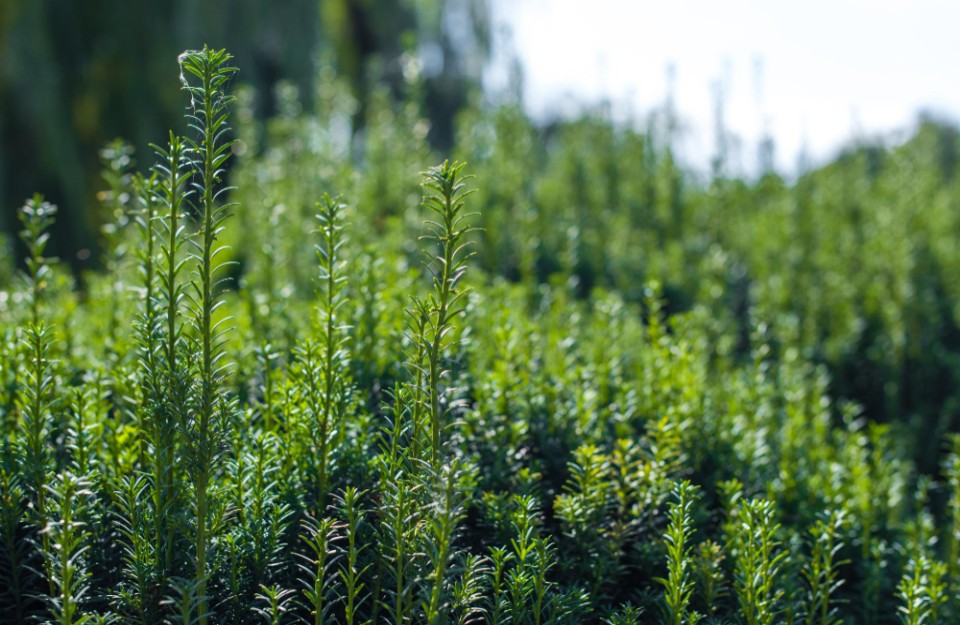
(585, 389)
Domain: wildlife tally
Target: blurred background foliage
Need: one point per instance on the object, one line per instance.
(76, 75)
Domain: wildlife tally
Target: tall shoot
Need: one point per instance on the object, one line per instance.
(161, 340)
(205, 75)
(333, 336)
(444, 195)
(37, 217)
(679, 581)
(36, 398)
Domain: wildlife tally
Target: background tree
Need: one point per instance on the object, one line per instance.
(75, 75)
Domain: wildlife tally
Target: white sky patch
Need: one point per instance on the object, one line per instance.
(816, 74)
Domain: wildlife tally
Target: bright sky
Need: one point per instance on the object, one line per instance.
(816, 73)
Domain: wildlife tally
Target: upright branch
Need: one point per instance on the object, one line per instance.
(166, 411)
(352, 568)
(418, 316)
(147, 330)
(333, 334)
(448, 495)
(36, 398)
(205, 75)
(822, 570)
(759, 562)
(172, 195)
(36, 216)
(146, 191)
(444, 193)
(69, 535)
(319, 536)
(678, 584)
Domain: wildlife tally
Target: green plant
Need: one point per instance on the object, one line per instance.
(165, 371)
(139, 592)
(922, 592)
(352, 569)
(447, 490)
(630, 386)
(952, 556)
(401, 515)
(116, 159)
(70, 496)
(710, 576)
(205, 75)
(758, 562)
(37, 216)
(320, 537)
(822, 571)
(445, 190)
(324, 362)
(36, 398)
(582, 508)
(678, 584)
(278, 603)
(15, 573)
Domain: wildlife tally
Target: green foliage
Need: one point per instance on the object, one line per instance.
(679, 582)
(69, 496)
(36, 216)
(204, 75)
(922, 592)
(445, 191)
(319, 538)
(257, 420)
(759, 562)
(822, 573)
